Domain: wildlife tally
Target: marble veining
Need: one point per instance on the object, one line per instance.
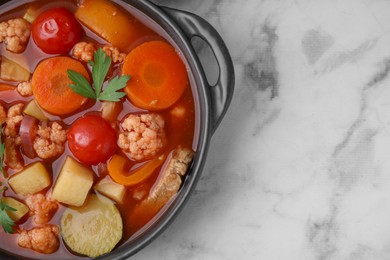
(299, 168)
(261, 71)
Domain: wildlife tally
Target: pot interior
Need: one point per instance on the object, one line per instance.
(155, 18)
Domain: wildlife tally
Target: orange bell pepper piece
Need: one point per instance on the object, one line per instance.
(109, 22)
(5, 87)
(116, 169)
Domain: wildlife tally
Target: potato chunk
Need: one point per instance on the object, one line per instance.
(30, 180)
(111, 189)
(73, 183)
(10, 70)
(32, 109)
(20, 208)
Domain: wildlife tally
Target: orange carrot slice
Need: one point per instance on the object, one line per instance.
(116, 169)
(158, 75)
(50, 85)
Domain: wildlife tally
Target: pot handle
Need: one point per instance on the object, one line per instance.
(222, 92)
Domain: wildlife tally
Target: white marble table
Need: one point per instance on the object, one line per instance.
(300, 166)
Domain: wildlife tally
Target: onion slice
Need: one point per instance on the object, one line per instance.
(28, 132)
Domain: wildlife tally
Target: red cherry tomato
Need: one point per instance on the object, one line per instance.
(56, 31)
(92, 140)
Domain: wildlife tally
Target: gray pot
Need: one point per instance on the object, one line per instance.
(211, 103)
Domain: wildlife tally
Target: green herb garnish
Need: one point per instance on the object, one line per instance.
(100, 68)
(6, 222)
(2, 151)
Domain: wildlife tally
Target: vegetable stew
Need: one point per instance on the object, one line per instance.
(97, 125)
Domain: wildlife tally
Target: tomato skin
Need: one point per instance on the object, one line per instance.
(92, 140)
(56, 31)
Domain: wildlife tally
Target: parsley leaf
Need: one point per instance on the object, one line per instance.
(110, 93)
(81, 86)
(6, 222)
(100, 68)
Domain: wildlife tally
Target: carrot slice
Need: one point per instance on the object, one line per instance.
(50, 85)
(158, 75)
(116, 169)
(5, 87)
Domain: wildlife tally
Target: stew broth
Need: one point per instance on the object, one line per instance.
(179, 132)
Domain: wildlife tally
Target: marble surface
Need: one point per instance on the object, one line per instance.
(299, 168)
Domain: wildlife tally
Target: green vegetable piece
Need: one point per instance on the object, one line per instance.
(93, 229)
(31, 14)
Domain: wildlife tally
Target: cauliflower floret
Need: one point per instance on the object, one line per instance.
(114, 53)
(84, 51)
(3, 115)
(41, 239)
(24, 89)
(143, 136)
(41, 208)
(12, 156)
(49, 141)
(14, 118)
(15, 33)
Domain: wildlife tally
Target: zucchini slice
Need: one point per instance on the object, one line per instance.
(93, 229)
